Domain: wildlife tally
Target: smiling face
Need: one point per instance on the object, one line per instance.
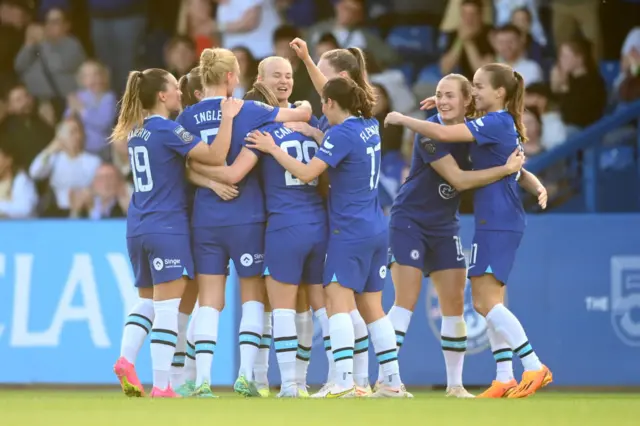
(451, 102)
(486, 97)
(277, 74)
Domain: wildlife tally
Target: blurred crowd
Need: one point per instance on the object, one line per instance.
(63, 64)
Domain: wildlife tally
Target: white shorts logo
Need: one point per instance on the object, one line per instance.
(383, 272)
(246, 260)
(415, 254)
(158, 264)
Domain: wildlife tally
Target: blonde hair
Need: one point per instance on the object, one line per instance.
(261, 93)
(140, 94)
(215, 64)
(267, 61)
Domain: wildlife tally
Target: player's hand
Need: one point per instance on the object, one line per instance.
(393, 118)
(261, 141)
(304, 105)
(515, 161)
(301, 127)
(231, 107)
(542, 197)
(224, 191)
(300, 47)
(428, 103)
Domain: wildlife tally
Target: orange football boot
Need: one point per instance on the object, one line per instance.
(531, 382)
(499, 389)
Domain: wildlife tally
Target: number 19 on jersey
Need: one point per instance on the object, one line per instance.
(140, 168)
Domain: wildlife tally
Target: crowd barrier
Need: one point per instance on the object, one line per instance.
(65, 289)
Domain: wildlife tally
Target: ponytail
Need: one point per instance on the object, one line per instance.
(131, 111)
(353, 62)
(190, 84)
(140, 94)
(502, 75)
(349, 96)
(515, 106)
(261, 93)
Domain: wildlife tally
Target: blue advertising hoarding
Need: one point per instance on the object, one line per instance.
(65, 289)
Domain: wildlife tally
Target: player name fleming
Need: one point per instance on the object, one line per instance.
(368, 132)
(209, 115)
(140, 133)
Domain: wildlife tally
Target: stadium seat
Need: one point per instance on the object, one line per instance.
(413, 40)
(429, 74)
(409, 71)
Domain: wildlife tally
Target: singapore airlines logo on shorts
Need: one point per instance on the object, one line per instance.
(415, 254)
(246, 260)
(158, 264)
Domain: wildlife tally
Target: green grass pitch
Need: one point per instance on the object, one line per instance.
(98, 408)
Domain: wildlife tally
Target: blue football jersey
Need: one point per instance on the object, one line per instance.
(204, 119)
(496, 206)
(290, 201)
(352, 150)
(426, 198)
(323, 124)
(159, 204)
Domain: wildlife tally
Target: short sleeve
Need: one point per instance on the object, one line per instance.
(486, 130)
(335, 148)
(179, 140)
(255, 114)
(430, 150)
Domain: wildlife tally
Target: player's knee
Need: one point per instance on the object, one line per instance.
(481, 306)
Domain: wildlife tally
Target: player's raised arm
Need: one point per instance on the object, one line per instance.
(264, 142)
(453, 133)
(467, 179)
(302, 50)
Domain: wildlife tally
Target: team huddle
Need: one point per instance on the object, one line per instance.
(292, 200)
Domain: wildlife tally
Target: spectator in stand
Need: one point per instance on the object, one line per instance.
(574, 18)
(452, 18)
(18, 197)
(94, 103)
(248, 23)
(326, 42)
(117, 154)
(396, 90)
(248, 70)
(117, 30)
(14, 17)
(578, 85)
(528, 10)
(196, 21)
(509, 44)
(522, 18)
(49, 60)
(349, 29)
(67, 166)
(23, 131)
(469, 47)
(107, 198)
(627, 84)
(180, 56)
(538, 96)
(533, 123)
(303, 89)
